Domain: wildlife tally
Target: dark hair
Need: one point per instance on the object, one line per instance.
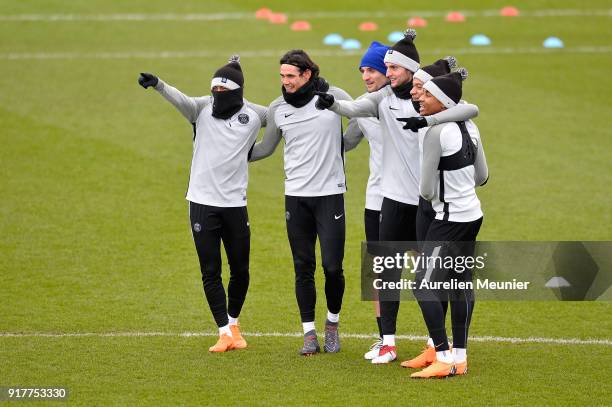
(300, 59)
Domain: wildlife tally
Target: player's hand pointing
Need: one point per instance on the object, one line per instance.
(413, 123)
(147, 79)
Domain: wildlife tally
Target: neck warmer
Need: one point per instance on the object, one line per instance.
(403, 91)
(416, 105)
(300, 97)
(227, 103)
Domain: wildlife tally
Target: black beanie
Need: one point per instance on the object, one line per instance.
(229, 76)
(440, 67)
(447, 88)
(404, 52)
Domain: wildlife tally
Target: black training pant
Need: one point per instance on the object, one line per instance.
(307, 218)
(397, 223)
(210, 225)
(455, 239)
(426, 215)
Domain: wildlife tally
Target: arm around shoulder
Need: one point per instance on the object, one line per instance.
(270, 139)
(432, 150)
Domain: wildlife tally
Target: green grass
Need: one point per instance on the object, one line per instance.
(94, 228)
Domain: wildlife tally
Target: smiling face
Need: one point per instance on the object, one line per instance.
(398, 75)
(429, 104)
(372, 78)
(417, 89)
(292, 79)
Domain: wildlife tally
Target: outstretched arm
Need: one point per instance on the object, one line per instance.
(189, 107)
(366, 106)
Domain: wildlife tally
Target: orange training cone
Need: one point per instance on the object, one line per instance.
(417, 22)
(455, 17)
(277, 18)
(368, 26)
(509, 11)
(301, 26)
(263, 13)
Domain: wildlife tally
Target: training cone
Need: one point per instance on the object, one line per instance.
(509, 11)
(263, 13)
(417, 22)
(368, 26)
(455, 17)
(395, 36)
(301, 26)
(351, 44)
(480, 40)
(333, 39)
(553, 42)
(277, 18)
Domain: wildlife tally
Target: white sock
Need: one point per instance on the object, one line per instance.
(225, 330)
(430, 342)
(444, 356)
(333, 317)
(459, 355)
(308, 326)
(232, 321)
(389, 340)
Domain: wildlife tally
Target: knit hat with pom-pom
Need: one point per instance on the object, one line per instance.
(229, 76)
(404, 52)
(440, 67)
(447, 88)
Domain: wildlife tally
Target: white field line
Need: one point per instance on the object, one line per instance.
(301, 15)
(485, 339)
(16, 56)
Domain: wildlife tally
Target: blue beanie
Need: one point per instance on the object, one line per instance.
(374, 57)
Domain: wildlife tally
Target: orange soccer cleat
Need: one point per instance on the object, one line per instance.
(426, 358)
(435, 370)
(460, 368)
(239, 341)
(224, 344)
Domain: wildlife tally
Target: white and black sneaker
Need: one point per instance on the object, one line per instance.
(386, 354)
(373, 352)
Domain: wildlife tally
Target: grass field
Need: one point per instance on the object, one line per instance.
(94, 233)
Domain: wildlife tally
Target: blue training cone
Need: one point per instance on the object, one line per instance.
(553, 42)
(351, 44)
(333, 39)
(480, 40)
(395, 36)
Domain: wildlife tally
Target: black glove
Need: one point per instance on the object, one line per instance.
(413, 123)
(320, 84)
(325, 100)
(147, 79)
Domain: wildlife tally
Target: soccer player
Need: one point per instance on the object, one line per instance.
(400, 159)
(314, 189)
(225, 129)
(425, 213)
(453, 165)
(373, 70)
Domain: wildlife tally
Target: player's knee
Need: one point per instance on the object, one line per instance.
(333, 271)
